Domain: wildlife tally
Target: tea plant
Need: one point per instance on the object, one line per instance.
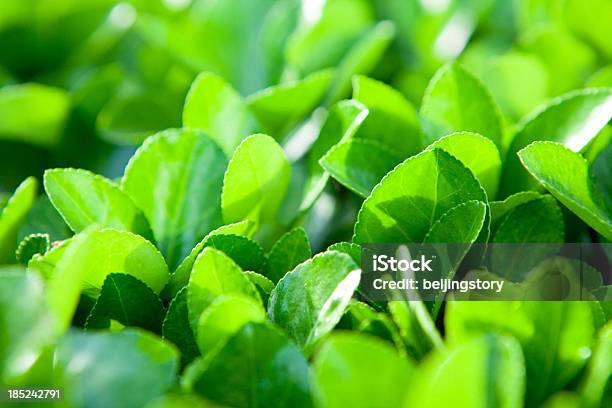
(199, 178)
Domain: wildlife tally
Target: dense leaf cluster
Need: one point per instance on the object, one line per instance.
(212, 168)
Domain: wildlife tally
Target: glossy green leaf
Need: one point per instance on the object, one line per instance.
(289, 251)
(13, 215)
(214, 274)
(342, 122)
(555, 337)
(411, 198)
(25, 325)
(478, 154)
(225, 317)
(84, 262)
(246, 253)
(392, 120)
(601, 173)
(566, 175)
(359, 164)
(33, 113)
(215, 107)
(572, 120)
(95, 367)
(32, 245)
(86, 199)
(256, 181)
(456, 101)
(349, 248)
(309, 301)
(343, 370)
(282, 106)
(257, 367)
(180, 277)
(128, 301)
(176, 328)
(487, 371)
(175, 177)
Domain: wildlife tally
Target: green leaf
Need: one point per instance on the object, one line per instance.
(33, 113)
(180, 277)
(289, 251)
(13, 215)
(359, 317)
(595, 386)
(129, 119)
(257, 367)
(566, 175)
(572, 120)
(412, 197)
(342, 122)
(499, 209)
(359, 164)
(362, 58)
(246, 253)
(456, 101)
(539, 221)
(392, 119)
(478, 154)
(84, 262)
(129, 301)
(309, 301)
(214, 274)
(128, 368)
(43, 217)
(601, 173)
(215, 107)
(555, 337)
(224, 318)
(461, 224)
(85, 199)
(601, 78)
(487, 371)
(25, 326)
(256, 181)
(349, 248)
(280, 107)
(323, 42)
(176, 178)
(177, 329)
(32, 245)
(416, 327)
(343, 369)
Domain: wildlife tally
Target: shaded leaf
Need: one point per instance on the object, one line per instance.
(129, 301)
(32, 245)
(290, 250)
(257, 366)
